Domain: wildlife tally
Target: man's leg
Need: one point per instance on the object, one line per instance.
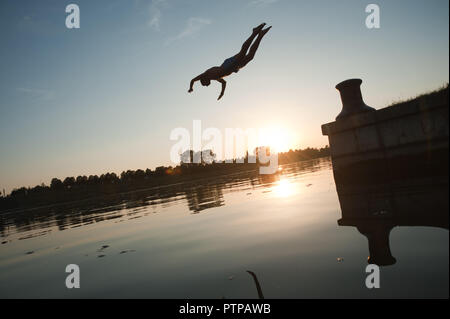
(249, 41)
(251, 53)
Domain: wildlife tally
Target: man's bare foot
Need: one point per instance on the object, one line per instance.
(263, 32)
(259, 28)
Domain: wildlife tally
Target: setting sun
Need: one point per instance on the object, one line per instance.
(277, 138)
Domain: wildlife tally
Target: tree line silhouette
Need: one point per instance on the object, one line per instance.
(84, 187)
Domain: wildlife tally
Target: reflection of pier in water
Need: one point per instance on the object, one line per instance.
(376, 209)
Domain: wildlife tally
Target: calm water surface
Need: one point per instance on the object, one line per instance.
(196, 240)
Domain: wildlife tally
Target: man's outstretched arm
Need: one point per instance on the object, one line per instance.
(191, 86)
(224, 85)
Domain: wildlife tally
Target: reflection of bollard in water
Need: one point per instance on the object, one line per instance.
(352, 101)
(377, 232)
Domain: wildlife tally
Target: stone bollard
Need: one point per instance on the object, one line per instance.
(352, 101)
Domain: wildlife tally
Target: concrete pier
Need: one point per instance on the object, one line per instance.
(415, 131)
(390, 165)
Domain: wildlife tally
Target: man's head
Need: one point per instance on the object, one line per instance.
(205, 82)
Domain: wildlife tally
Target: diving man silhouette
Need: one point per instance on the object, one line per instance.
(232, 64)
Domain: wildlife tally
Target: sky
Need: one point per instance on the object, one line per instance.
(105, 97)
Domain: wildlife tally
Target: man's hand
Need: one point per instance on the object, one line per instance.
(191, 85)
(224, 84)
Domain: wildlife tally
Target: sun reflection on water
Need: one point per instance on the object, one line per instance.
(284, 188)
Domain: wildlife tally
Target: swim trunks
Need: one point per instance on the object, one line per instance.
(228, 64)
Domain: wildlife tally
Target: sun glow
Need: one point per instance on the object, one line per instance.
(277, 138)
